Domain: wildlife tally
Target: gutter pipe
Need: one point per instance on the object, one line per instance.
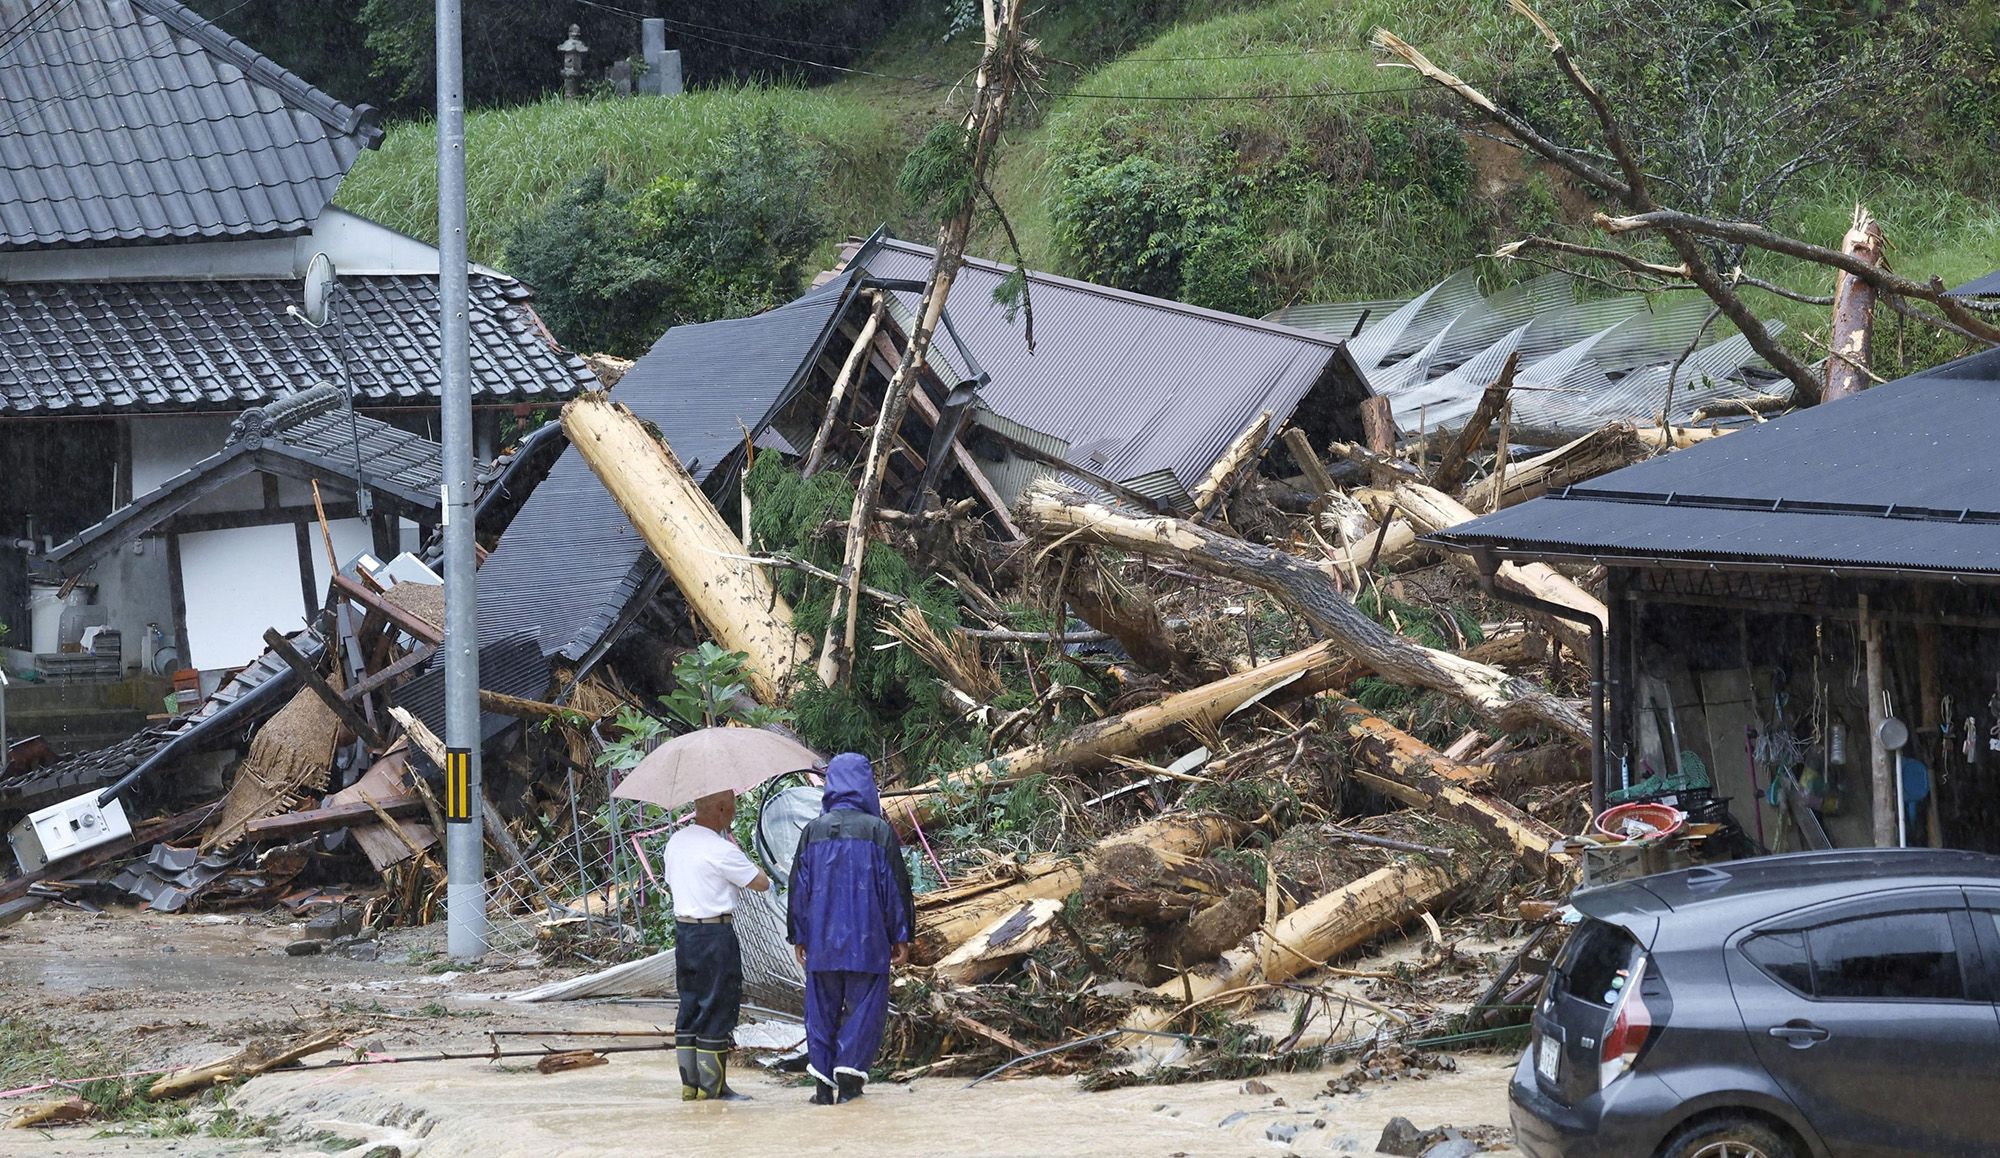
(1489, 567)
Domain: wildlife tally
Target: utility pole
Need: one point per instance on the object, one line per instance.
(464, 849)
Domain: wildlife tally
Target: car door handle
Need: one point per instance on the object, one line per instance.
(1799, 1034)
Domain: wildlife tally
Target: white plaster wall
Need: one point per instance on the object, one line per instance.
(356, 245)
(241, 582)
(164, 445)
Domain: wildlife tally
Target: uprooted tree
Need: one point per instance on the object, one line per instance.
(1703, 181)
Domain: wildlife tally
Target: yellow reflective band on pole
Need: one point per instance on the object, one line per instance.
(458, 785)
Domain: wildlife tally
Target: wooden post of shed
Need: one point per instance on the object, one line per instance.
(1882, 795)
(1378, 427)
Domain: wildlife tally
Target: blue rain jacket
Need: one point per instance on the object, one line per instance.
(850, 901)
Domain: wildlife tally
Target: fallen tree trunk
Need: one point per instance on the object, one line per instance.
(1001, 943)
(1599, 452)
(1300, 673)
(1506, 701)
(1395, 763)
(249, 1061)
(1336, 923)
(951, 917)
(1452, 464)
(735, 601)
(1240, 455)
(1434, 511)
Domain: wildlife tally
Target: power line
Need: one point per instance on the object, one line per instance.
(928, 83)
(17, 33)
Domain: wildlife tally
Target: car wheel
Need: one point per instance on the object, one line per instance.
(1729, 1138)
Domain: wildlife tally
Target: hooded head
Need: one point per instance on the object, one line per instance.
(850, 783)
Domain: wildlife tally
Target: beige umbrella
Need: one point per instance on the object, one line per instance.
(687, 768)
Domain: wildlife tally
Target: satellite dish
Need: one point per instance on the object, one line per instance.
(319, 289)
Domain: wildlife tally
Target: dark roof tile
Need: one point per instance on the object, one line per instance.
(126, 120)
(79, 348)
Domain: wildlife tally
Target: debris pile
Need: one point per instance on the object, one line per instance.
(1159, 767)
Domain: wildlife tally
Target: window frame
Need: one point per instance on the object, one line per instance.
(1970, 943)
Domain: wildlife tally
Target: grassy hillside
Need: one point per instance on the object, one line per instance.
(519, 159)
(1247, 157)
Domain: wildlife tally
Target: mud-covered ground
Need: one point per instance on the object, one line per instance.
(145, 992)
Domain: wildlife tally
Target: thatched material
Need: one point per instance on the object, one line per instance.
(289, 756)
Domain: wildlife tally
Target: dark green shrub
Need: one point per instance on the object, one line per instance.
(732, 237)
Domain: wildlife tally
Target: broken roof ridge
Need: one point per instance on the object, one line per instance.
(885, 240)
(349, 120)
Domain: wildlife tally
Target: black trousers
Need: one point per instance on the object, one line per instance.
(708, 971)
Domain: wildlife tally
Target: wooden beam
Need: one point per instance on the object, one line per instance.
(334, 816)
(190, 524)
(410, 624)
(177, 589)
(325, 691)
(1309, 462)
(387, 675)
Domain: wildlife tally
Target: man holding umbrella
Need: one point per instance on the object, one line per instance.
(705, 870)
(850, 919)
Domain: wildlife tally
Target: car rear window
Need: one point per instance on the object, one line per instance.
(1597, 955)
(1893, 955)
(1911, 956)
(1784, 957)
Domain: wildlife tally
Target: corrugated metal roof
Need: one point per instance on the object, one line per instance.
(1980, 287)
(1900, 477)
(82, 348)
(571, 563)
(1135, 385)
(126, 120)
(1584, 361)
(512, 665)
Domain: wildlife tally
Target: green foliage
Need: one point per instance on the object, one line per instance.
(707, 681)
(383, 52)
(730, 238)
(937, 177)
(520, 160)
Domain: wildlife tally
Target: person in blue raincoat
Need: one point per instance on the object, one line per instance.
(850, 918)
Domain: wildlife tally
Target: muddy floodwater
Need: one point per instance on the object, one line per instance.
(157, 992)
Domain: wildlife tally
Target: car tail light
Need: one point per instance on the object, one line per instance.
(1631, 1026)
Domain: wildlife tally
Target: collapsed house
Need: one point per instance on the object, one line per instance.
(1584, 361)
(1777, 595)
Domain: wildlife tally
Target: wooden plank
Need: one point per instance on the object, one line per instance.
(414, 625)
(325, 691)
(334, 816)
(387, 675)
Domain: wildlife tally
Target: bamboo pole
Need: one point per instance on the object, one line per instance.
(848, 372)
(737, 602)
(1300, 673)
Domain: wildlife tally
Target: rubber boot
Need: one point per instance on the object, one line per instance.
(850, 1085)
(822, 1093)
(690, 1074)
(712, 1068)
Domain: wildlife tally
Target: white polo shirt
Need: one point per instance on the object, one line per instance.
(704, 871)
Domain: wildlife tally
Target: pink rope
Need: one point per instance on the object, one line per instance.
(925, 841)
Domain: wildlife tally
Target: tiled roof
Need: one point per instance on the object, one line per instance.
(127, 120)
(81, 348)
(314, 427)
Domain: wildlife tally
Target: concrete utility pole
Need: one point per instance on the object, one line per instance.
(464, 849)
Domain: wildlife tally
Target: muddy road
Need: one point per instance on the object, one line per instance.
(137, 992)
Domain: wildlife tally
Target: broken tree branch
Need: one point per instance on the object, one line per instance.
(1502, 699)
(1449, 472)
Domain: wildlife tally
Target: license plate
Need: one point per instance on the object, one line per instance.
(1548, 1057)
